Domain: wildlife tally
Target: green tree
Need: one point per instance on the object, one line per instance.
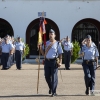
(26, 51)
(76, 49)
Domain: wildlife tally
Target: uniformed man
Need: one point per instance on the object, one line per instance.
(19, 51)
(68, 49)
(13, 58)
(90, 62)
(6, 52)
(53, 49)
(10, 59)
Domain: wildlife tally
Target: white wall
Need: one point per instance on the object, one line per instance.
(65, 13)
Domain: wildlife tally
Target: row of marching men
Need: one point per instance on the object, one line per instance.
(10, 51)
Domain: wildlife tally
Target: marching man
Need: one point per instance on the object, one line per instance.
(52, 51)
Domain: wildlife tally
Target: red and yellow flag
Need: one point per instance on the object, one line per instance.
(42, 31)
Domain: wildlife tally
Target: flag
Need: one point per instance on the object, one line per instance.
(42, 30)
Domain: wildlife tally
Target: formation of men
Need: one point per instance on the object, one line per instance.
(9, 51)
(51, 52)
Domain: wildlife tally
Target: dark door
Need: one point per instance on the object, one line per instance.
(5, 28)
(84, 29)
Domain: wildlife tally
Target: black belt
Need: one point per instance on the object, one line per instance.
(89, 61)
(5, 52)
(92, 60)
(19, 50)
(49, 59)
(67, 50)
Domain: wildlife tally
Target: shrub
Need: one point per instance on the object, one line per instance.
(26, 52)
(76, 49)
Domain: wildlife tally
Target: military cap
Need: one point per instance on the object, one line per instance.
(88, 36)
(52, 31)
(67, 36)
(5, 39)
(19, 37)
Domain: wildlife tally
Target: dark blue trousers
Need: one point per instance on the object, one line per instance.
(18, 57)
(9, 64)
(89, 75)
(5, 57)
(67, 57)
(0, 60)
(51, 74)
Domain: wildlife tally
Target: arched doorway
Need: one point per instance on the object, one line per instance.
(85, 27)
(5, 28)
(32, 35)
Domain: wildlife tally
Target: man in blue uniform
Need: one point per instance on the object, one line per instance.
(53, 49)
(90, 62)
(6, 52)
(68, 49)
(19, 51)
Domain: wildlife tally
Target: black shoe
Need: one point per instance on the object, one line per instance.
(54, 94)
(18, 69)
(49, 91)
(87, 91)
(67, 68)
(4, 69)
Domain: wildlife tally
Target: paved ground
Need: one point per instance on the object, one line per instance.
(22, 84)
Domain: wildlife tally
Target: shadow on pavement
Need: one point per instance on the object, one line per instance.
(16, 96)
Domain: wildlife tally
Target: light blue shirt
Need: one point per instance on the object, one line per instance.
(6, 47)
(10, 41)
(67, 45)
(54, 51)
(90, 53)
(19, 45)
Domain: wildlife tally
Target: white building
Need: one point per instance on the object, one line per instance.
(75, 18)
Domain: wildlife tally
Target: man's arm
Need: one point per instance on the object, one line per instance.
(41, 50)
(84, 42)
(96, 61)
(11, 49)
(60, 58)
(62, 39)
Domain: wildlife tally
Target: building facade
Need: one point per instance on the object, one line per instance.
(75, 18)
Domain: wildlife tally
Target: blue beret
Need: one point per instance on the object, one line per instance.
(88, 36)
(67, 37)
(5, 38)
(19, 37)
(7, 35)
(51, 31)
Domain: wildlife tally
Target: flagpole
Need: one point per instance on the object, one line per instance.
(38, 71)
(61, 75)
(39, 42)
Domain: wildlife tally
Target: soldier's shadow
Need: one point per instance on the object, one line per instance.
(38, 95)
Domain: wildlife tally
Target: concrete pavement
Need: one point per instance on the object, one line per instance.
(22, 84)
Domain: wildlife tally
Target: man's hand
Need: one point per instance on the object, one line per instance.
(59, 64)
(71, 53)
